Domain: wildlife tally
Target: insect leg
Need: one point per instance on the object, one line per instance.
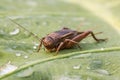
(93, 35)
(59, 47)
(80, 37)
(40, 45)
(62, 44)
(85, 34)
(69, 40)
(72, 41)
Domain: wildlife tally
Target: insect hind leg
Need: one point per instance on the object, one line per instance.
(81, 36)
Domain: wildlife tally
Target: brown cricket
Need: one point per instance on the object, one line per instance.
(62, 39)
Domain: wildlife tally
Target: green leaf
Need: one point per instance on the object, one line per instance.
(95, 61)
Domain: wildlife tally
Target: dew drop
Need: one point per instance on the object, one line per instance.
(25, 57)
(18, 54)
(7, 68)
(15, 31)
(77, 67)
(34, 47)
(102, 49)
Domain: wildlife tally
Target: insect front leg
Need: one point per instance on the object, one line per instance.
(59, 47)
(62, 44)
(40, 45)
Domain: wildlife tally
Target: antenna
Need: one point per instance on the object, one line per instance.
(25, 29)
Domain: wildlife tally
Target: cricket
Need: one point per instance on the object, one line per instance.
(62, 39)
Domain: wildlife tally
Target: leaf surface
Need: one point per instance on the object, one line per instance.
(95, 61)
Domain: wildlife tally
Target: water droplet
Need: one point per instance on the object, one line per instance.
(15, 31)
(37, 44)
(34, 47)
(102, 71)
(25, 57)
(18, 54)
(102, 49)
(77, 67)
(25, 73)
(7, 68)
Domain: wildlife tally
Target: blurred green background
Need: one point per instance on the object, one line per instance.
(45, 16)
